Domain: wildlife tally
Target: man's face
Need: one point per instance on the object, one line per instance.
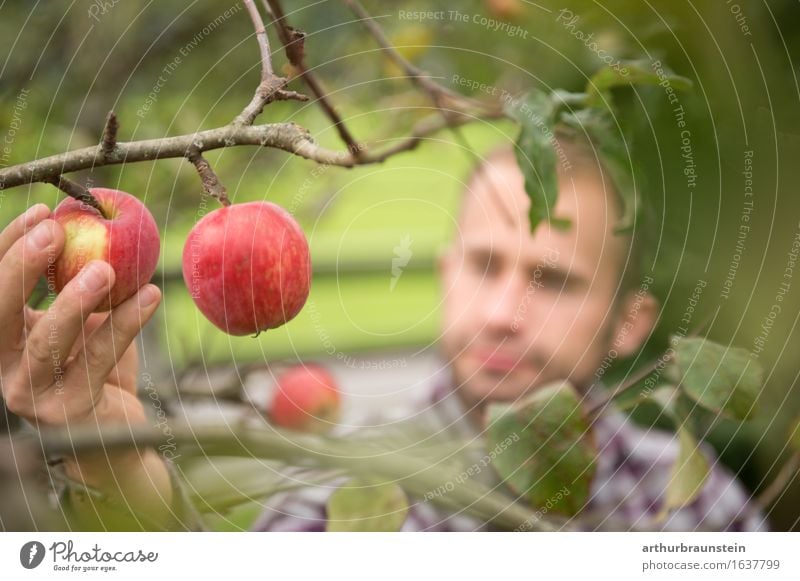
(522, 310)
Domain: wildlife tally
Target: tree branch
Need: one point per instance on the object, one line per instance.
(289, 137)
(642, 373)
(418, 475)
(263, 40)
(424, 128)
(271, 87)
(449, 103)
(626, 385)
(110, 134)
(442, 97)
(293, 41)
(286, 136)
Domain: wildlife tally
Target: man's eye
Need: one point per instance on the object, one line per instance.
(551, 280)
(485, 263)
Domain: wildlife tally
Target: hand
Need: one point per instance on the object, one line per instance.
(65, 365)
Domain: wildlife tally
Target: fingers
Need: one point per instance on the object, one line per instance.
(50, 341)
(26, 259)
(20, 225)
(111, 340)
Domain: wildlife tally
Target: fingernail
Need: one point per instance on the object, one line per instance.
(41, 236)
(148, 295)
(94, 277)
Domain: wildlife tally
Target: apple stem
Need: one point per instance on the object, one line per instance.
(211, 182)
(77, 191)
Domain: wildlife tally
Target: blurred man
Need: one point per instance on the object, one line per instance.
(520, 310)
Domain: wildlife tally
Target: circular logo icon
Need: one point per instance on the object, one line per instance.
(31, 554)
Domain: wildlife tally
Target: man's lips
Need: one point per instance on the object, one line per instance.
(492, 359)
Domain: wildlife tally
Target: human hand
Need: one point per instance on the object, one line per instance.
(65, 365)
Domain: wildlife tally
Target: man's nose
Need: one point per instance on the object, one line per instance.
(506, 306)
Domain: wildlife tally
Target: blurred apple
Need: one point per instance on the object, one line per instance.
(247, 267)
(125, 236)
(306, 398)
(508, 10)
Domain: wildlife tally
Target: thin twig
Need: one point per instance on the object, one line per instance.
(211, 183)
(293, 40)
(74, 190)
(787, 474)
(263, 40)
(449, 103)
(424, 128)
(271, 87)
(623, 387)
(631, 382)
(443, 97)
(241, 497)
(110, 133)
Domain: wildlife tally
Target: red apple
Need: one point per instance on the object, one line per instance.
(306, 398)
(508, 10)
(247, 267)
(125, 236)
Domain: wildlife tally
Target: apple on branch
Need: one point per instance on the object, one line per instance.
(306, 398)
(247, 267)
(125, 235)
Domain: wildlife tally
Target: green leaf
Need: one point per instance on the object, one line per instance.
(543, 448)
(631, 73)
(367, 505)
(613, 150)
(724, 380)
(665, 396)
(535, 153)
(688, 475)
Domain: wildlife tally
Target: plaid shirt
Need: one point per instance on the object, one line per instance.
(627, 492)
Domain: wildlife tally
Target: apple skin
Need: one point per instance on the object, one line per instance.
(247, 267)
(128, 240)
(306, 399)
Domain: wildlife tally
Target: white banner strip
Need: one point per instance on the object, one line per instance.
(400, 556)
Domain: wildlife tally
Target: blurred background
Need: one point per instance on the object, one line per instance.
(64, 66)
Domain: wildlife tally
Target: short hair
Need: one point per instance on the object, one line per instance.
(580, 153)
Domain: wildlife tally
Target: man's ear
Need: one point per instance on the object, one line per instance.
(636, 319)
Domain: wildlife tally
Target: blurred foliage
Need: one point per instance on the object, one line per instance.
(61, 70)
